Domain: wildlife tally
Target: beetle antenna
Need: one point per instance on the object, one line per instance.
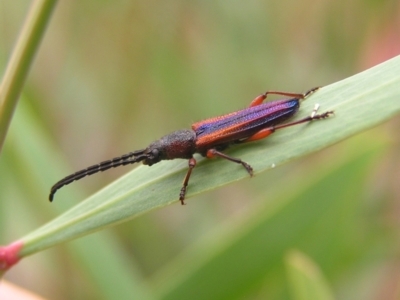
(126, 159)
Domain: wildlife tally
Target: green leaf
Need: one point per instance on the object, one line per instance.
(306, 279)
(359, 102)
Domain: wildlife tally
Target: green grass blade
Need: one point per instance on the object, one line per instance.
(359, 102)
(21, 60)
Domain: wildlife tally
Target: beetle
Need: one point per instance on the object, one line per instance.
(211, 136)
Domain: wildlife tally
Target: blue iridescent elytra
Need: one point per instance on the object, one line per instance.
(240, 124)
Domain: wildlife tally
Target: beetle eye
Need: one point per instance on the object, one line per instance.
(155, 153)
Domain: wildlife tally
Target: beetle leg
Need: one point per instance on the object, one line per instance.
(192, 164)
(214, 153)
(263, 133)
(259, 99)
(313, 116)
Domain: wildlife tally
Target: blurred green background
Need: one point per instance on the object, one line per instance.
(112, 76)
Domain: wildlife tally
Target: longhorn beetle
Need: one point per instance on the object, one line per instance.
(211, 136)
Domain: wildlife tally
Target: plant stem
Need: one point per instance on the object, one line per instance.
(21, 60)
